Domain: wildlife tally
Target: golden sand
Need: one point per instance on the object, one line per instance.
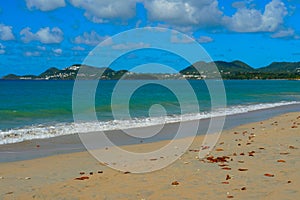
(253, 161)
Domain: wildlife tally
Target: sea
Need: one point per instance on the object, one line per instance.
(43, 109)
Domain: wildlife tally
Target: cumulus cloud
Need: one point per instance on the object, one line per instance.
(2, 49)
(205, 39)
(180, 38)
(6, 32)
(44, 35)
(253, 20)
(204, 13)
(126, 46)
(100, 11)
(184, 15)
(284, 33)
(91, 38)
(45, 5)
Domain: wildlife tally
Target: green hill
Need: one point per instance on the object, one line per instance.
(235, 66)
(228, 70)
(242, 65)
(240, 70)
(282, 67)
(50, 71)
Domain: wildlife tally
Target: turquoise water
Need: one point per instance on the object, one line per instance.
(38, 109)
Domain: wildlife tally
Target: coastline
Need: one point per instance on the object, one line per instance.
(65, 144)
(263, 164)
(51, 116)
(150, 100)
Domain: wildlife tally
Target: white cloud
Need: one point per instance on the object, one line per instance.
(297, 37)
(92, 39)
(32, 53)
(45, 5)
(2, 49)
(138, 23)
(44, 35)
(204, 13)
(6, 32)
(42, 48)
(205, 39)
(78, 48)
(238, 4)
(184, 15)
(100, 11)
(284, 33)
(253, 20)
(57, 52)
(130, 46)
(180, 38)
(107, 42)
(27, 35)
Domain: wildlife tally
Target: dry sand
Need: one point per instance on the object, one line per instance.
(262, 162)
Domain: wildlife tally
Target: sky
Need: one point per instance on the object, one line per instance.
(38, 34)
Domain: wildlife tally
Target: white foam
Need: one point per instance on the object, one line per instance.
(43, 131)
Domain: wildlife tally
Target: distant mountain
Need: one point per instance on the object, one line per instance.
(211, 69)
(49, 72)
(70, 73)
(16, 77)
(235, 66)
(240, 70)
(228, 70)
(282, 67)
(241, 65)
(84, 72)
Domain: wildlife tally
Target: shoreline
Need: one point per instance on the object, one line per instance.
(65, 144)
(254, 79)
(263, 163)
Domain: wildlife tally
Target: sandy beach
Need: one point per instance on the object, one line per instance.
(253, 161)
(149, 100)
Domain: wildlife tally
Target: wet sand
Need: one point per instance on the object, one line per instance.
(71, 143)
(259, 160)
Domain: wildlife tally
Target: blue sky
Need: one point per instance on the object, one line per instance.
(38, 34)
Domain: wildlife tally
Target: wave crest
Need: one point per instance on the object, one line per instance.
(46, 131)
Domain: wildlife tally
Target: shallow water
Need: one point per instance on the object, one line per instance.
(43, 109)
